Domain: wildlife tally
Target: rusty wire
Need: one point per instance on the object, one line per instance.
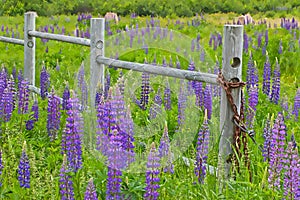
(240, 129)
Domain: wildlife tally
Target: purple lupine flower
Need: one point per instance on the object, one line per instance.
(285, 107)
(264, 50)
(252, 74)
(156, 106)
(44, 82)
(280, 48)
(182, 98)
(219, 38)
(71, 139)
(165, 153)
(275, 94)
(178, 63)
(167, 97)
(121, 83)
(113, 187)
(154, 62)
(65, 182)
(57, 67)
(2, 86)
(266, 37)
(193, 45)
(1, 165)
(152, 174)
(65, 98)
(296, 108)
(14, 73)
(191, 84)
(277, 152)
(116, 162)
(53, 118)
(3, 76)
(23, 97)
(198, 89)
(202, 150)
(164, 62)
(127, 131)
(208, 100)
(82, 86)
(20, 78)
(252, 102)
(294, 141)
(267, 77)
(103, 117)
(90, 193)
(145, 90)
(211, 38)
(170, 62)
(246, 42)
(35, 116)
(98, 96)
(202, 55)
(259, 37)
(7, 103)
(24, 169)
(107, 85)
(292, 172)
(267, 139)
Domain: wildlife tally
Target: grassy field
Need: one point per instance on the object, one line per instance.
(63, 61)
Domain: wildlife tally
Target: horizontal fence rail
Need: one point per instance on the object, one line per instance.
(12, 40)
(63, 38)
(165, 71)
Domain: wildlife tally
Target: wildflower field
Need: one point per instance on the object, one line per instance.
(148, 136)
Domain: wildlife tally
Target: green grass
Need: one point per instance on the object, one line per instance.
(45, 157)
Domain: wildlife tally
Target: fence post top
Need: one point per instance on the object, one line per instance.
(233, 25)
(98, 18)
(31, 13)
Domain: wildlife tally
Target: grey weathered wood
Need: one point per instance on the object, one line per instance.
(29, 48)
(63, 38)
(231, 70)
(165, 71)
(37, 91)
(97, 49)
(11, 40)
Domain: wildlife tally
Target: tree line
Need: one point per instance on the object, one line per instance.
(163, 8)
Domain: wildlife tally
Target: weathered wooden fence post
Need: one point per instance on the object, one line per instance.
(232, 71)
(29, 48)
(97, 49)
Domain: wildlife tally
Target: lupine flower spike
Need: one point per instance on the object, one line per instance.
(53, 120)
(202, 150)
(90, 193)
(165, 151)
(71, 139)
(23, 97)
(152, 174)
(267, 76)
(275, 94)
(34, 117)
(44, 82)
(66, 184)
(292, 173)
(24, 169)
(277, 152)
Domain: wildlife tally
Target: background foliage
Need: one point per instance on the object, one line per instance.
(146, 7)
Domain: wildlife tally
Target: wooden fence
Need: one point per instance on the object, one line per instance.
(231, 70)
